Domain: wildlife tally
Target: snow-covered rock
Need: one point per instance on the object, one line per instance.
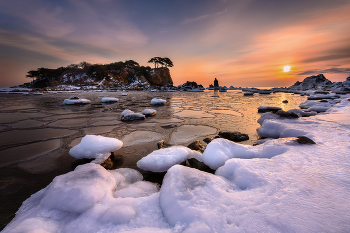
(149, 112)
(163, 159)
(156, 101)
(76, 100)
(109, 99)
(95, 147)
(125, 112)
(220, 150)
(133, 116)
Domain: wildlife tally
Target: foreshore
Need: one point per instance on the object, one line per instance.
(278, 186)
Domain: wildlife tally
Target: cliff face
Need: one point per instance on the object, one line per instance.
(160, 77)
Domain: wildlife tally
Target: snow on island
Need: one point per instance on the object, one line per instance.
(76, 100)
(95, 147)
(278, 186)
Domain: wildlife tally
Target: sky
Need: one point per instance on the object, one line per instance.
(239, 42)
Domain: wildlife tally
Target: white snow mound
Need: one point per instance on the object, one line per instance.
(163, 159)
(95, 147)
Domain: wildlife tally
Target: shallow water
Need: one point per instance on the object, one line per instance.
(36, 132)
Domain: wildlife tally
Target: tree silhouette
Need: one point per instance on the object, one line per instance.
(164, 61)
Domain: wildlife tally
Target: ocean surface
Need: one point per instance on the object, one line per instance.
(37, 131)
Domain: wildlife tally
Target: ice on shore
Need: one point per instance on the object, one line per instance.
(163, 159)
(278, 186)
(188, 133)
(157, 101)
(95, 147)
(140, 137)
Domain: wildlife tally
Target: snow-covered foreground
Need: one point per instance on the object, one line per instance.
(279, 186)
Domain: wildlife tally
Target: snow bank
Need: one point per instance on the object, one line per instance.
(156, 101)
(95, 147)
(163, 159)
(109, 99)
(92, 199)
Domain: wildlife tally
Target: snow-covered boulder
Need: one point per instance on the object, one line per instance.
(95, 147)
(76, 100)
(163, 159)
(109, 99)
(133, 116)
(149, 112)
(220, 150)
(125, 112)
(157, 101)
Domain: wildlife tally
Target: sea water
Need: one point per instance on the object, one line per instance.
(37, 132)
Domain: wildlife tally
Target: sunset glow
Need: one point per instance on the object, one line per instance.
(239, 42)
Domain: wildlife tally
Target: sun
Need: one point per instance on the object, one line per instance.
(286, 68)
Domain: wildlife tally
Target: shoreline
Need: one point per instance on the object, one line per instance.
(297, 174)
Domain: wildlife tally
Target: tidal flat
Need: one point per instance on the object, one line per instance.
(37, 131)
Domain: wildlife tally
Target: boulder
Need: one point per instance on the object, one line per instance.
(268, 109)
(234, 136)
(208, 140)
(287, 114)
(304, 140)
(133, 116)
(196, 145)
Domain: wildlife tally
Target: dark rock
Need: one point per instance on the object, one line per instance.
(285, 101)
(133, 116)
(74, 98)
(208, 140)
(194, 163)
(168, 126)
(288, 114)
(304, 140)
(263, 109)
(196, 145)
(160, 144)
(108, 164)
(324, 101)
(234, 136)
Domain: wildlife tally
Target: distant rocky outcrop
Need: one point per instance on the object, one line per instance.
(160, 77)
(312, 82)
